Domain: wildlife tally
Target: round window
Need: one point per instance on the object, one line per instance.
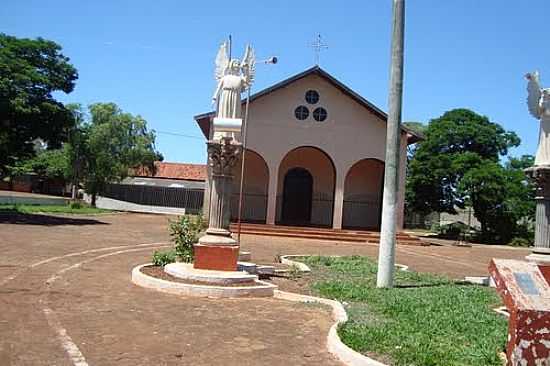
(301, 112)
(320, 114)
(312, 96)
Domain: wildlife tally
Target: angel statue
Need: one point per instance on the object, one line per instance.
(233, 78)
(538, 101)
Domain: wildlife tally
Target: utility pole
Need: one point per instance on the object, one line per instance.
(386, 254)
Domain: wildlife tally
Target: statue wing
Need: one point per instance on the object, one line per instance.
(534, 93)
(249, 65)
(222, 61)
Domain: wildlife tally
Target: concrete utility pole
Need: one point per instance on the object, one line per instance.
(386, 254)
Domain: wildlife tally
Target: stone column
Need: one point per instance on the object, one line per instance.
(217, 250)
(541, 251)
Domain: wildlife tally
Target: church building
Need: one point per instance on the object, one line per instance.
(314, 156)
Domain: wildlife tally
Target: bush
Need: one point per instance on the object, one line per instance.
(453, 231)
(161, 258)
(520, 242)
(184, 233)
(75, 205)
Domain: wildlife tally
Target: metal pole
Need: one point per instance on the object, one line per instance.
(230, 44)
(386, 255)
(245, 130)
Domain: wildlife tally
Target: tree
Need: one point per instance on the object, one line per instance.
(115, 142)
(76, 148)
(47, 164)
(502, 198)
(30, 71)
(454, 143)
(458, 165)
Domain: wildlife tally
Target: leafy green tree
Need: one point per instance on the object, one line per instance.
(418, 127)
(76, 148)
(30, 71)
(454, 143)
(502, 198)
(458, 165)
(115, 142)
(47, 164)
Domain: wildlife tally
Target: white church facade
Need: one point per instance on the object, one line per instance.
(314, 156)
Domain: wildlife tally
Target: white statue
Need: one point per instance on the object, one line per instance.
(233, 78)
(538, 101)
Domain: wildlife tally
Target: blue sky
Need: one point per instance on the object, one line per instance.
(155, 58)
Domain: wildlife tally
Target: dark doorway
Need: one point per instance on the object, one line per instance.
(297, 193)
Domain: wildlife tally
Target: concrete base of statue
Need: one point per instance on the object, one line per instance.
(216, 250)
(540, 176)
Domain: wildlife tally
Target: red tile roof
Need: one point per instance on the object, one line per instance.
(174, 171)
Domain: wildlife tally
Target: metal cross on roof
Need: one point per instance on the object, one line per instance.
(317, 47)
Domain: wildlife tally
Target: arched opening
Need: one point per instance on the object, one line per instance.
(256, 181)
(322, 175)
(363, 195)
(297, 195)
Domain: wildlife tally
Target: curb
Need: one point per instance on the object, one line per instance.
(285, 259)
(139, 278)
(334, 344)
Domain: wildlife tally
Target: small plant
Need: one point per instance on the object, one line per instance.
(184, 233)
(161, 258)
(294, 272)
(520, 242)
(75, 205)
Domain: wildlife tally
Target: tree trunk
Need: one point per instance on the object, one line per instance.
(94, 196)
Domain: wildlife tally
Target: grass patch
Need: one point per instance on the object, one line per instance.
(425, 320)
(60, 209)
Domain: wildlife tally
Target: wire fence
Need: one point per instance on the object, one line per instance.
(190, 199)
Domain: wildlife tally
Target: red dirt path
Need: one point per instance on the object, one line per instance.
(87, 261)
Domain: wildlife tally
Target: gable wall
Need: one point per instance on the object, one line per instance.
(350, 132)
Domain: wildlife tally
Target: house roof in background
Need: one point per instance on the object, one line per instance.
(164, 182)
(178, 171)
(203, 119)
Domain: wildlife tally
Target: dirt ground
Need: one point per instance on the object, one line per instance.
(66, 297)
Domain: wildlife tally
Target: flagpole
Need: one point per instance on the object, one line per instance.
(388, 229)
(243, 155)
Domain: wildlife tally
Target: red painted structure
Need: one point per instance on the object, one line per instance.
(216, 257)
(526, 293)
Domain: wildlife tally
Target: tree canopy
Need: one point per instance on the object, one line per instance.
(30, 71)
(454, 143)
(114, 143)
(458, 164)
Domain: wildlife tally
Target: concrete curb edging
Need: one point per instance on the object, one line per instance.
(285, 259)
(334, 344)
(139, 278)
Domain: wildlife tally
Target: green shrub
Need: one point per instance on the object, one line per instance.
(453, 231)
(520, 242)
(184, 233)
(162, 258)
(75, 205)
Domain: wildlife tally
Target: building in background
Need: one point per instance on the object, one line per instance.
(315, 155)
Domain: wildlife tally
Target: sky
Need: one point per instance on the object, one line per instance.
(156, 58)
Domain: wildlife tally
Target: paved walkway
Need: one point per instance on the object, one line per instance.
(66, 298)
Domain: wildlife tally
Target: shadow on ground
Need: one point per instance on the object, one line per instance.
(13, 217)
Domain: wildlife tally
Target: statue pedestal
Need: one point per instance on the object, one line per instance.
(217, 250)
(540, 175)
(525, 292)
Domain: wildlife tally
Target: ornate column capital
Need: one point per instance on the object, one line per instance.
(223, 155)
(540, 175)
